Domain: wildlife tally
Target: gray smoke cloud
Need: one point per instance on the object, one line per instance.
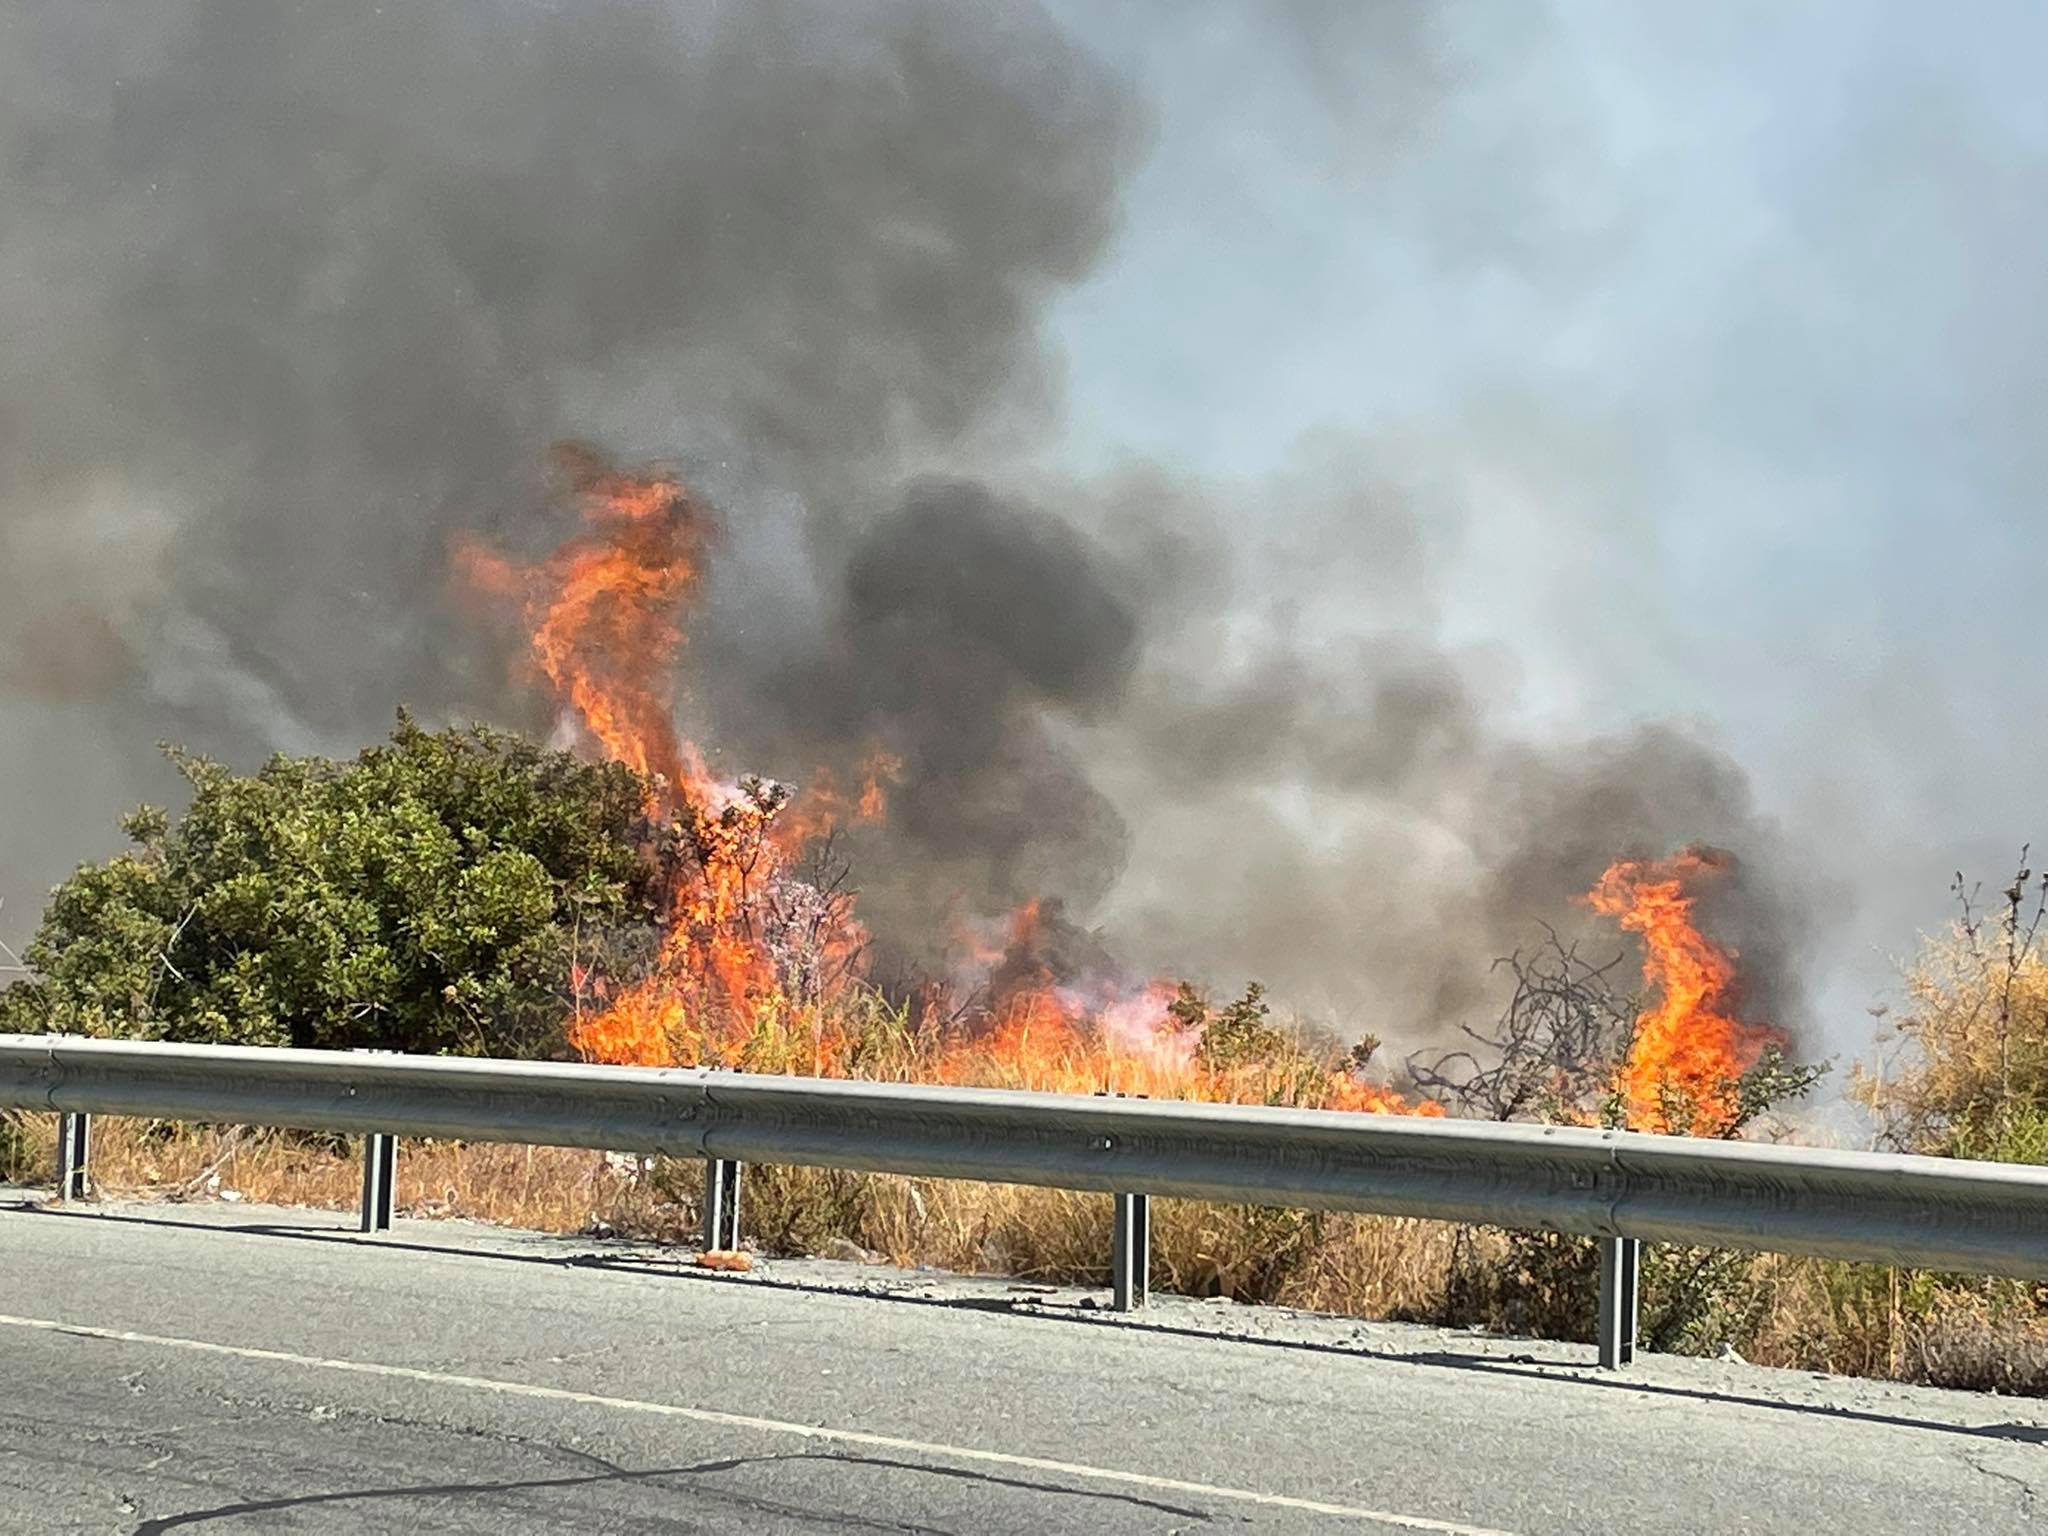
(302, 290)
(967, 629)
(1328, 792)
(294, 294)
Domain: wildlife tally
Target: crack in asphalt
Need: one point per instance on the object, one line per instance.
(2028, 1493)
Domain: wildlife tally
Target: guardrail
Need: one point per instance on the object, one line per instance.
(1621, 1187)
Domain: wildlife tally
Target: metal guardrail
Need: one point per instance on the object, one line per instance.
(1619, 1186)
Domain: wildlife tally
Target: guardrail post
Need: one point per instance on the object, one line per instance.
(721, 1205)
(74, 1149)
(380, 1179)
(1130, 1252)
(380, 1168)
(1621, 1271)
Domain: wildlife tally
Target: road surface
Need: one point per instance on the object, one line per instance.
(225, 1368)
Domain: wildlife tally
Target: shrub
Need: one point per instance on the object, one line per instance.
(428, 896)
(1970, 1075)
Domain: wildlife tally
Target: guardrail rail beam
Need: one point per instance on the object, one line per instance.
(1948, 1214)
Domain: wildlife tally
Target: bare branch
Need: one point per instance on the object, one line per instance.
(1555, 1048)
(10, 960)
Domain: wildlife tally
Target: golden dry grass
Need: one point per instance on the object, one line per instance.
(545, 1189)
(1967, 1070)
(1371, 1266)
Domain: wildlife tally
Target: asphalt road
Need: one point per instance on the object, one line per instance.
(177, 1368)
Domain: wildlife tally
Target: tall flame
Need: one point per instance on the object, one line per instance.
(1690, 1051)
(604, 613)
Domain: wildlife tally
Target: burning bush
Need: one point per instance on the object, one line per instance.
(761, 959)
(1572, 1047)
(471, 892)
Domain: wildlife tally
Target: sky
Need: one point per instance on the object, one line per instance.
(1519, 422)
(1727, 323)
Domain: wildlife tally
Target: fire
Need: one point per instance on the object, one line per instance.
(1063, 1023)
(605, 618)
(604, 609)
(1689, 1049)
(758, 950)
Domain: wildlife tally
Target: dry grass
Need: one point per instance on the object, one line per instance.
(545, 1189)
(1373, 1266)
(1967, 1074)
(1979, 1051)
(1907, 1325)
(1366, 1265)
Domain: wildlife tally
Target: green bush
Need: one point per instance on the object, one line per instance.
(428, 896)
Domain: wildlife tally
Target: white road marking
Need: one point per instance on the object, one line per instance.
(1078, 1471)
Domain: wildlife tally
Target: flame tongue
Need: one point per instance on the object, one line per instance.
(1063, 1018)
(604, 613)
(603, 609)
(1689, 1049)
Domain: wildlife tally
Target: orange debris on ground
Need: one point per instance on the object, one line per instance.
(729, 1260)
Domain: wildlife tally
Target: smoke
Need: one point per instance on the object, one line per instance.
(1327, 791)
(296, 294)
(967, 630)
(323, 283)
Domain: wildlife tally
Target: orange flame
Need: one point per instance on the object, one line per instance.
(1098, 1035)
(604, 611)
(1688, 1049)
(604, 614)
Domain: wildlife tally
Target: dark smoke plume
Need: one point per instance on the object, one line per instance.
(966, 631)
(294, 294)
(296, 291)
